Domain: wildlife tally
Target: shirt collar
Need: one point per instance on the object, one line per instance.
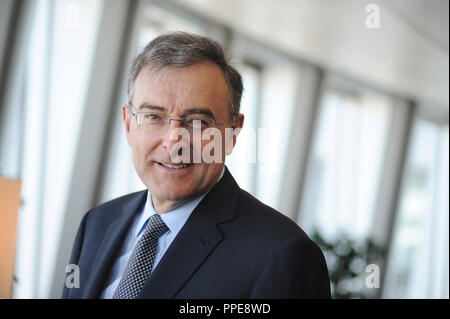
(174, 219)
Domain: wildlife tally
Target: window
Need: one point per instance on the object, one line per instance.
(271, 84)
(53, 91)
(345, 163)
(281, 82)
(242, 161)
(418, 266)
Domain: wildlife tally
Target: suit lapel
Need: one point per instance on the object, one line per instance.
(111, 243)
(195, 242)
(180, 261)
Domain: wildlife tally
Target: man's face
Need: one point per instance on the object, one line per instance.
(195, 91)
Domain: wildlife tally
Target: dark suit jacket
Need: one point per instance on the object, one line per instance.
(232, 246)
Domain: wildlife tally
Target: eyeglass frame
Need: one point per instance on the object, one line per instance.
(168, 119)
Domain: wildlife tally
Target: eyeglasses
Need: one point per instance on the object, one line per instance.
(158, 123)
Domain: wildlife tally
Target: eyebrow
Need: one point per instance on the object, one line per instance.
(203, 111)
(150, 107)
(197, 110)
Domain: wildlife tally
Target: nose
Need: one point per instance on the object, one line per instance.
(170, 136)
(176, 139)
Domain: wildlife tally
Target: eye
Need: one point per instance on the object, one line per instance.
(152, 116)
(195, 121)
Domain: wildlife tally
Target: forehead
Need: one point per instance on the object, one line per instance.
(177, 88)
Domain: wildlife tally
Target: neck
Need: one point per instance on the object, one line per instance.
(163, 205)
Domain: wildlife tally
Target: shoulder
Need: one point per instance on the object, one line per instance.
(267, 224)
(112, 209)
(260, 235)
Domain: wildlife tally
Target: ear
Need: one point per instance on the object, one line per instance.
(126, 121)
(230, 139)
(238, 124)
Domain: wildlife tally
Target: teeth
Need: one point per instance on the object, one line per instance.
(175, 166)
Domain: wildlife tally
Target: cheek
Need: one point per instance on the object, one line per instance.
(135, 146)
(141, 148)
(214, 144)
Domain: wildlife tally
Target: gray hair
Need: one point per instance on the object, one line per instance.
(179, 49)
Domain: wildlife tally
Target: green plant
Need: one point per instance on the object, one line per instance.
(347, 260)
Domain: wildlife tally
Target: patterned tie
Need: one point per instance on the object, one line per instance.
(141, 261)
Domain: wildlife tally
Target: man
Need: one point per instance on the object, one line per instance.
(194, 233)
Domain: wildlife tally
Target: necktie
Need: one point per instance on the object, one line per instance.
(141, 261)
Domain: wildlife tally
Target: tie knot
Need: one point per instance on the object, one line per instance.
(155, 227)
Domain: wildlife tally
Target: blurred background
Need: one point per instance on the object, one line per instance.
(347, 127)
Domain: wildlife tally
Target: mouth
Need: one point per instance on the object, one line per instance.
(175, 166)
